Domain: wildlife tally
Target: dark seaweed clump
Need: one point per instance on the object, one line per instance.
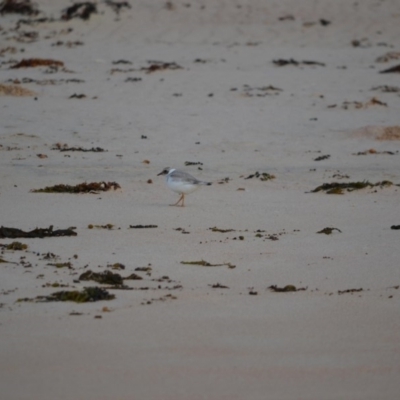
(339, 187)
(84, 187)
(106, 277)
(88, 294)
(36, 233)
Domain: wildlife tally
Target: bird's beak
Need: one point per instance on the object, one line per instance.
(163, 172)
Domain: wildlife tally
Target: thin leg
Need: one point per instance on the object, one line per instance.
(180, 199)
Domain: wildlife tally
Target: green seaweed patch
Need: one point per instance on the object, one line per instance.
(106, 277)
(16, 246)
(329, 230)
(203, 263)
(88, 294)
(285, 289)
(263, 176)
(340, 187)
(93, 187)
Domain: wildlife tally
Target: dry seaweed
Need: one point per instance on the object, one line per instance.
(36, 233)
(263, 176)
(24, 7)
(64, 147)
(283, 62)
(338, 188)
(117, 6)
(329, 230)
(133, 277)
(395, 69)
(107, 226)
(262, 91)
(61, 265)
(287, 288)
(203, 263)
(79, 10)
(324, 157)
(142, 226)
(88, 294)
(219, 286)
(215, 229)
(350, 291)
(105, 277)
(16, 246)
(37, 62)
(395, 227)
(193, 163)
(373, 151)
(84, 187)
(387, 89)
(160, 66)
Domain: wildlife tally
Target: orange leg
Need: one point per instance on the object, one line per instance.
(182, 198)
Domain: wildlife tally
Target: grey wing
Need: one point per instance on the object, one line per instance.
(184, 176)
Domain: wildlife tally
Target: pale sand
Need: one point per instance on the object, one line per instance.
(206, 343)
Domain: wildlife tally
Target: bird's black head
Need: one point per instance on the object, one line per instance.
(164, 171)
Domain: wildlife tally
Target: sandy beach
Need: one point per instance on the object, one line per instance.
(280, 280)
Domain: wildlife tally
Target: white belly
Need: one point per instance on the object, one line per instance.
(181, 187)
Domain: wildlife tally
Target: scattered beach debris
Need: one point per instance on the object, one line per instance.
(329, 230)
(36, 233)
(283, 62)
(362, 43)
(142, 226)
(262, 91)
(215, 229)
(121, 62)
(324, 157)
(358, 105)
(133, 79)
(14, 246)
(252, 292)
(117, 6)
(88, 294)
(79, 10)
(77, 96)
(263, 176)
(203, 263)
(133, 277)
(338, 188)
(68, 44)
(285, 289)
(61, 265)
(224, 180)
(193, 163)
(64, 147)
(387, 89)
(15, 90)
(106, 226)
(377, 132)
(373, 151)
(391, 55)
(395, 227)
(44, 82)
(351, 291)
(160, 66)
(37, 62)
(25, 7)
(395, 69)
(106, 277)
(218, 286)
(93, 187)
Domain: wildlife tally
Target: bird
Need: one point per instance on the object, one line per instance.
(181, 182)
